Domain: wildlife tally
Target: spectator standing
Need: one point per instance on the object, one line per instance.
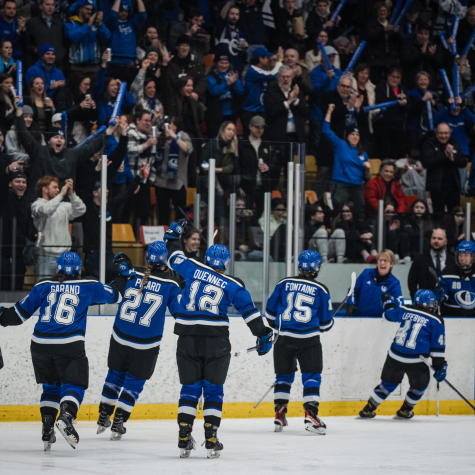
(124, 30)
(261, 71)
(442, 156)
(466, 28)
(198, 38)
(172, 175)
(252, 24)
(366, 298)
(150, 38)
(224, 94)
(15, 205)
(45, 28)
(313, 57)
(384, 187)
(319, 19)
(7, 65)
(389, 129)
(7, 103)
(456, 228)
(51, 217)
(436, 257)
(289, 24)
(13, 29)
(45, 68)
(418, 226)
(88, 35)
(301, 73)
(285, 108)
(247, 249)
(413, 175)
(231, 39)
(40, 103)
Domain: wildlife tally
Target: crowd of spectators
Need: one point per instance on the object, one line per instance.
(240, 82)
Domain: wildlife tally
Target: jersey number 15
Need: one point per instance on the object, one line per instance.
(302, 313)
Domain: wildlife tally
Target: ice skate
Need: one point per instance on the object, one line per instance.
(405, 412)
(48, 434)
(118, 429)
(213, 445)
(280, 420)
(186, 443)
(65, 426)
(312, 422)
(368, 411)
(104, 420)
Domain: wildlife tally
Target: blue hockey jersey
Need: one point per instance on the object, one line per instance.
(368, 292)
(459, 290)
(63, 311)
(301, 307)
(141, 315)
(420, 333)
(207, 296)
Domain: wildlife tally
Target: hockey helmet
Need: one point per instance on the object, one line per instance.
(218, 256)
(69, 263)
(157, 253)
(465, 247)
(425, 298)
(310, 261)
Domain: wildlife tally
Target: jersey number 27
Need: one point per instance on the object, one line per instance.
(128, 315)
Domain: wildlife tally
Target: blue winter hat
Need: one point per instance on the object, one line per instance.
(46, 48)
(82, 3)
(126, 5)
(261, 51)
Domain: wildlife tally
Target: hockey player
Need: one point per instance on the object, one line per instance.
(203, 349)
(137, 333)
(301, 309)
(57, 344)
(421, 333)
(458, 283)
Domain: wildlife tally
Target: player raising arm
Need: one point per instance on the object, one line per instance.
(421, 333)
(57, 345)
(137, 333)
(301, 308)
(203, 349)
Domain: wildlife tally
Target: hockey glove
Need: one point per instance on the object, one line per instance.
(388, 302)
(439, 294)
(125, 265)
(264, 342)
(175, 230)
(441, 373)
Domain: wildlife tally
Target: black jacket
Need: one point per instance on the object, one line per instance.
(441, 170)
(194, 69)
(64, 101)
(419, 276)
(277, 114)
(393, 117)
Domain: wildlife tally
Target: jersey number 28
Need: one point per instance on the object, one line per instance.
(302, 312)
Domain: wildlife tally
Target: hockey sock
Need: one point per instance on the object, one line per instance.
(189, 397)
(50, 399)
(283, 383)
(311, 387)
(213, 406)
(73, 396)
(413, 396)
(112, 387)
(381, 392)
(129, 395)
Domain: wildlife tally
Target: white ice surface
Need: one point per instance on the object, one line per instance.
(423, 445)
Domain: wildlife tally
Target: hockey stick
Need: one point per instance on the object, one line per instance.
(437, 402)
(434, 274)
(265, 394)
(447, 382)
(352, 288)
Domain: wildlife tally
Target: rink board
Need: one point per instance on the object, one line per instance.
(354, 353)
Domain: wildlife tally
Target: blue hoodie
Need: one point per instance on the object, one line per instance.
(348, 168)
(119, 177)
(49, 76)
(458, 125)
(8, 31)
(321, 84)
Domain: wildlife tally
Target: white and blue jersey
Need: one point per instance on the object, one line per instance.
(459, 290)
(141, 315)
(301, 307)
(61, 325)
(420, 334)
(207, 296)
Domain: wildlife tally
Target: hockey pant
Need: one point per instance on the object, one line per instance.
(392, 375)
(285, 365)
(203, 364)
(65, 379)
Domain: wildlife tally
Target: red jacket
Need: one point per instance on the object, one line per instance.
(375, 190)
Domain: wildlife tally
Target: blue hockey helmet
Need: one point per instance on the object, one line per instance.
(218, 256)
(465, 247)
(69, 263)
(157, 253)
(425, 298)
(310, 261)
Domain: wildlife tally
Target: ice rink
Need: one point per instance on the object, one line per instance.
(423, 445)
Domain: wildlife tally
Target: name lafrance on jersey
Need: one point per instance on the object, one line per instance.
(207, 277)
(294, 287)
(415, 318)
(151, 285)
